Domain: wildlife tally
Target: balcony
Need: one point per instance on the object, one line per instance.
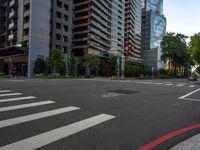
(10, 37)
(26, 25)
(12, 3)
(11, 14)
(26, 37)
(26, 2)
(11, 26)
(26, 13)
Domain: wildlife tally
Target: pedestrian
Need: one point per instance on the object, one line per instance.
(14, 73)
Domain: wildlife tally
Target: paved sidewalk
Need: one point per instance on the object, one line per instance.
(192, 143)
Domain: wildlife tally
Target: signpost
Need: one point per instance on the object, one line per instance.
(123, 66)
(118, 65)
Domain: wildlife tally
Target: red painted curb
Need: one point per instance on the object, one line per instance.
(167, 137)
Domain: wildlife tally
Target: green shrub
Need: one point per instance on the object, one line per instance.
(40, 66)
(2, 74)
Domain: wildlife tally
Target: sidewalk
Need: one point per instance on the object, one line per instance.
(192, 143)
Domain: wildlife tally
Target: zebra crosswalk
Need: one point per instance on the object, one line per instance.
(42, 139)
(152, 82)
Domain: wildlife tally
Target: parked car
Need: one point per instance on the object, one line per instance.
(193, 78)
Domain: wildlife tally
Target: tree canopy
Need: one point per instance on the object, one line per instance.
(56, 61)
(174, 50)
(195, 48)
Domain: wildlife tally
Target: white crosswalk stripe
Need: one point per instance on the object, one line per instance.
(10, 94)
(57, 134)
(14, 121)
(2, 109)
(16, 99)
(5, 91)
(48, 137)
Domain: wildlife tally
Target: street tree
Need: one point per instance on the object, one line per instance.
(175, 51)
(40, 66)
(94, 62)
(195, 48)
(56, 61)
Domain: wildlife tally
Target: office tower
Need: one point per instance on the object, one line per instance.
(98, 27)
(29, 29)
(153, 30)
(133, 29)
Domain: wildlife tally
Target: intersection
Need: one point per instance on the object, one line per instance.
(95, 114)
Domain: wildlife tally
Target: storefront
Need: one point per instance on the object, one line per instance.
(15, 58)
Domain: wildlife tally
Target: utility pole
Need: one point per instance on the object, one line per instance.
(123, 66)
(66, 65)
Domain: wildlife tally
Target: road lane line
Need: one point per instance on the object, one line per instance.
(10, 94)
(18, 120)
(43, 139)
(16, 99)
(5, 91)
(2, 109)
(184, 96)
(191, 99)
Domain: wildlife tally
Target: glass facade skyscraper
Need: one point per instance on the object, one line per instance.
(153, 30)
(153, 24)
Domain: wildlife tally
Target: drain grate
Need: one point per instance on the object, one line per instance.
(122, 91)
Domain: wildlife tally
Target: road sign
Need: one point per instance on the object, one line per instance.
(118, 61)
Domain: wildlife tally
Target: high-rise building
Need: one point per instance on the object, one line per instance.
(98, 27)
(29, 29)
(133, 29)
(153, 30)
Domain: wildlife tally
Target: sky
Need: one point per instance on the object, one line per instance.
(183, 16)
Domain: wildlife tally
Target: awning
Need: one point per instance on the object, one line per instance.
(13, 50)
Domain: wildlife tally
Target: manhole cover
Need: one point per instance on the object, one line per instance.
(121, 91)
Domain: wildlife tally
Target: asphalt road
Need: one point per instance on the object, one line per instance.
(104, 114)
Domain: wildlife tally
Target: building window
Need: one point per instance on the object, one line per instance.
(58, 26)
(65, 49)
(65, 28)
(58, 15)
(58, 46)
(59, 4)
(66, 7)
(58, 36)
(66, 17)
(65, 39)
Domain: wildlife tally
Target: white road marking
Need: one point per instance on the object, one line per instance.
(2, 109)
(16, 99)
(184, 96)
(16, 80)
(43, 139)
(144, 82)
(18, 120)
(181, 84)
(158, 83)
(169, 84)
(10, 94)
(111, 94)
(192, 86)
(191, 99)
(5, 91)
